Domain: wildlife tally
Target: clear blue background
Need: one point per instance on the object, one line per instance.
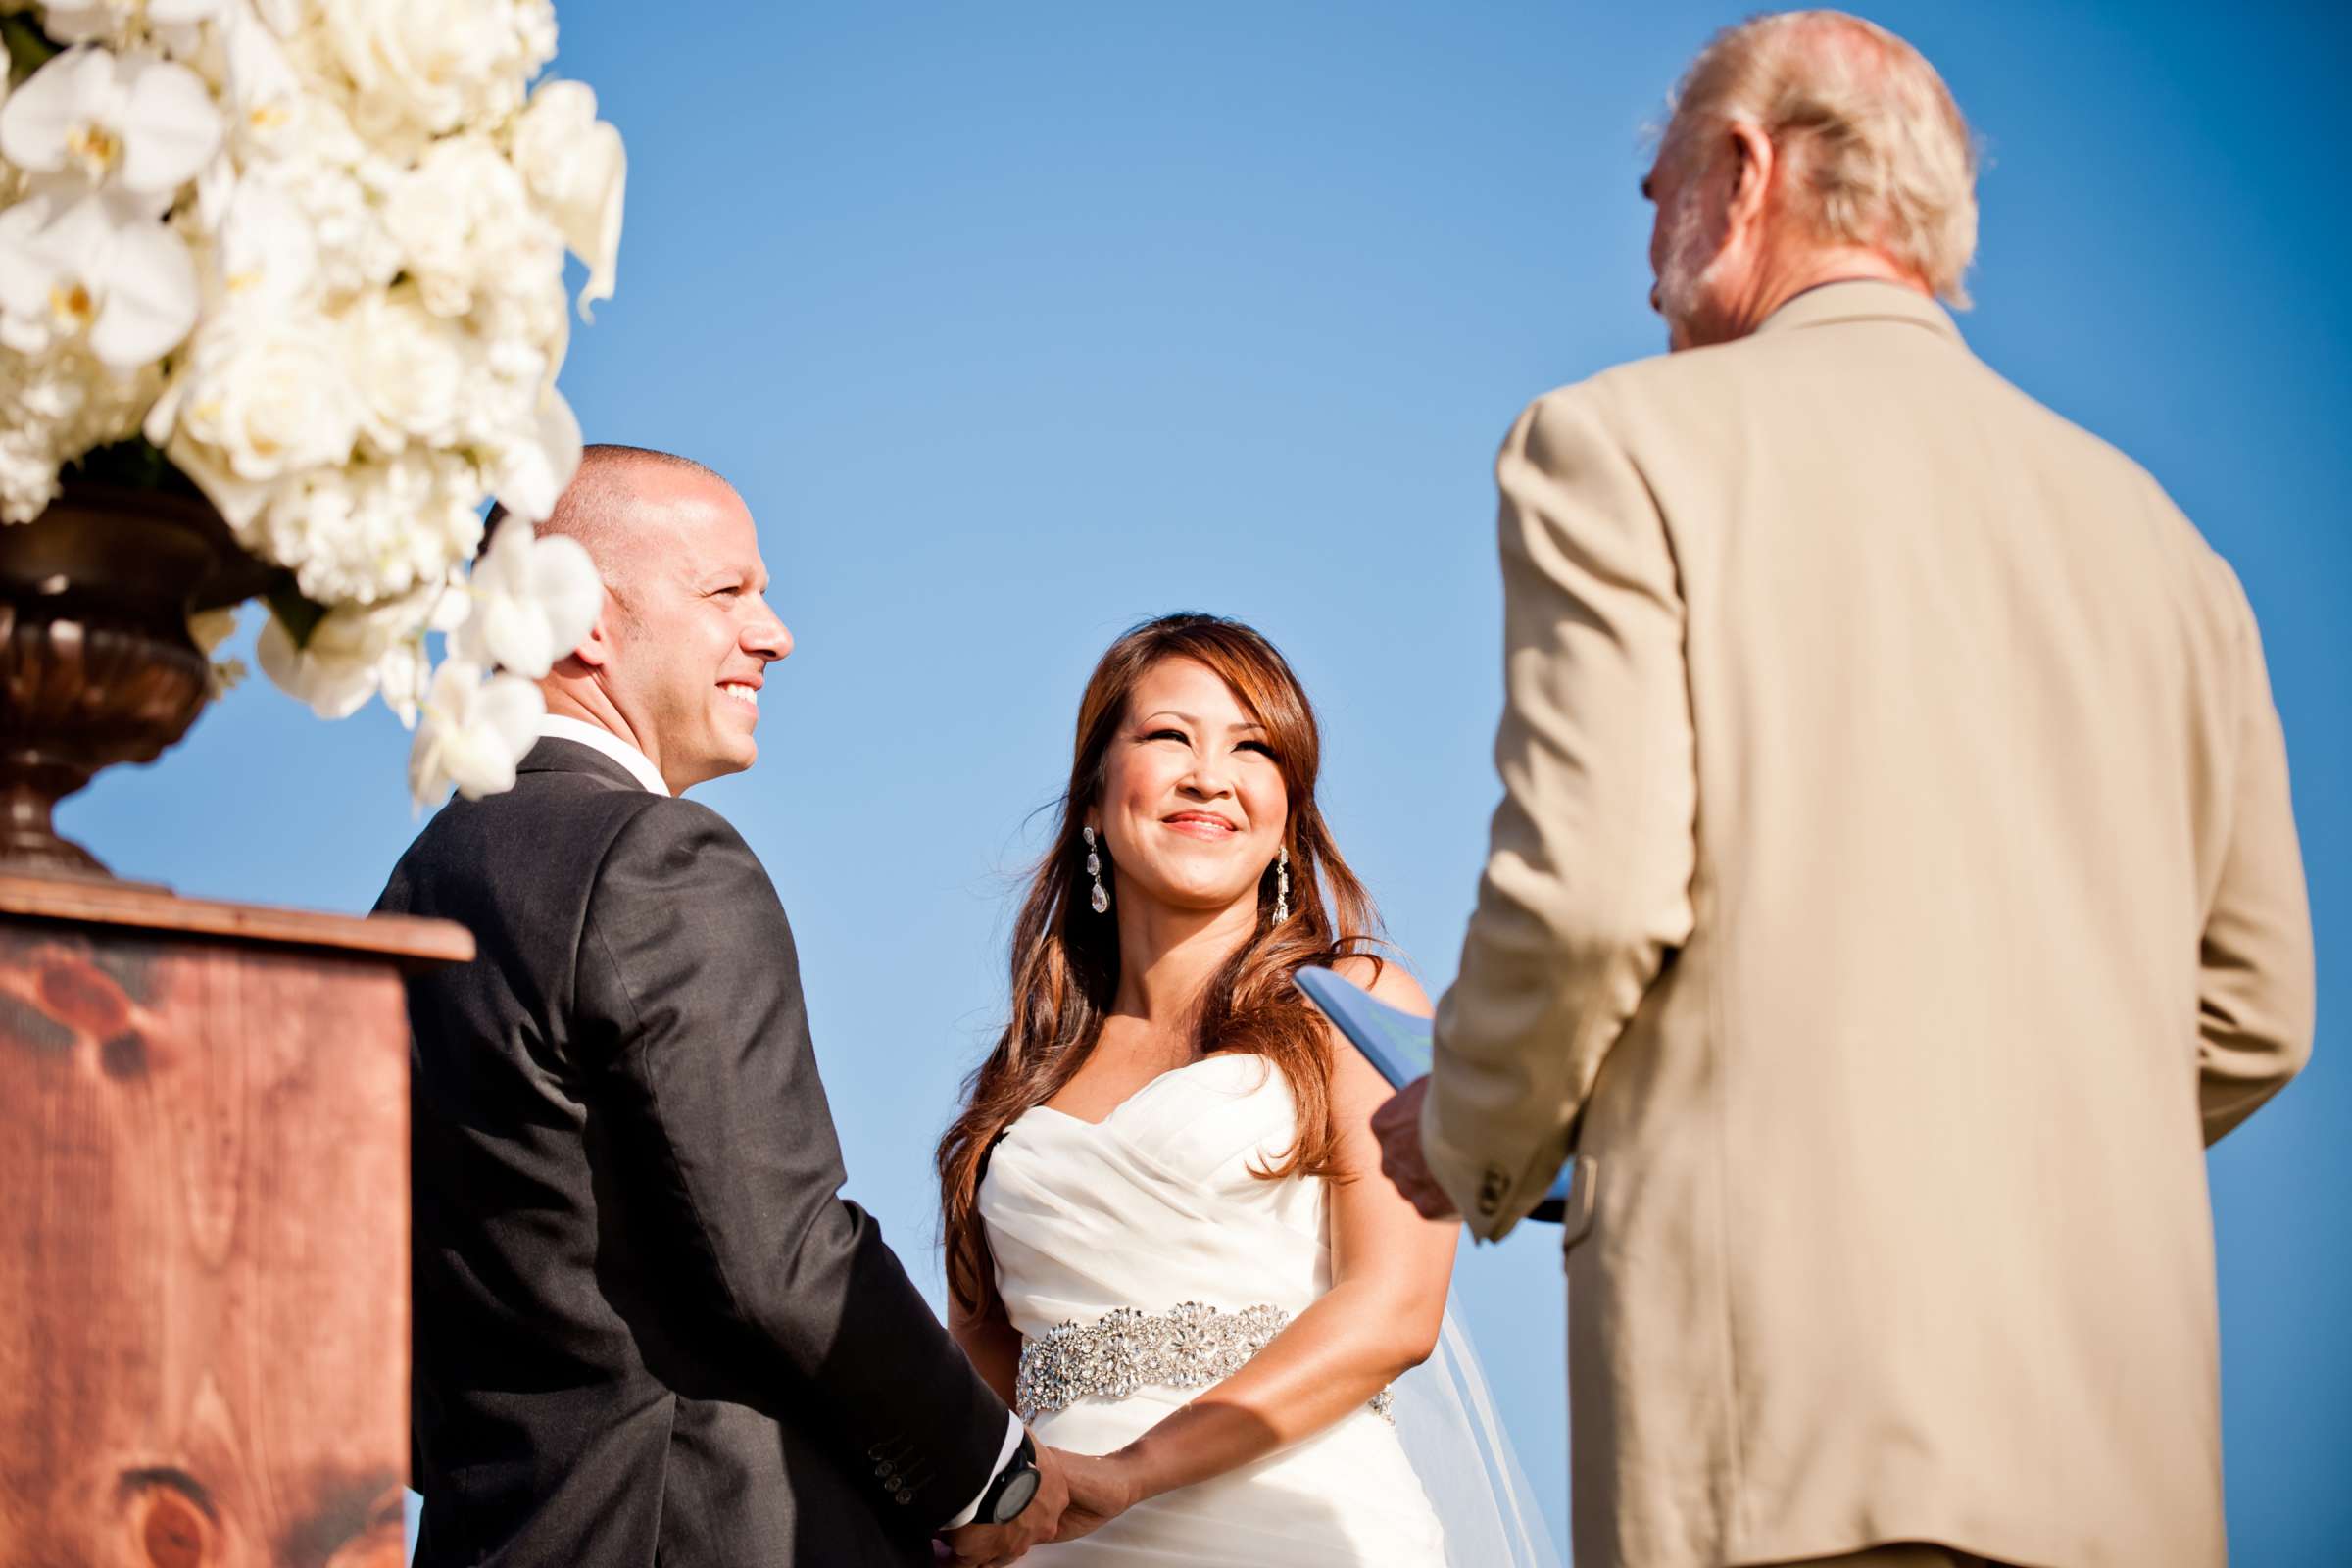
(1017, 323)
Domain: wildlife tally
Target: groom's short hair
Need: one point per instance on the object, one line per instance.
(594, 509)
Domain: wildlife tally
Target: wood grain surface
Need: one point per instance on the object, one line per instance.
(203, 1250)
(129, 906)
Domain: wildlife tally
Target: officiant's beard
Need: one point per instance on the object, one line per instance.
(1691, 268)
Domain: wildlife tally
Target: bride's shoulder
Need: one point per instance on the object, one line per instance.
(1356, 1084)
(1386, 979)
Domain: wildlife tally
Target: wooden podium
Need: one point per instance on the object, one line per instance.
(204, 1230)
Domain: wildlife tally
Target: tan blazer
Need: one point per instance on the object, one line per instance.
(1895, 890)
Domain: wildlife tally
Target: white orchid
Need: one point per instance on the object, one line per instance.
(258, 75)
(314, 251)
(406, 674)
(345, 657)
(535, 464)
(208, 630)
(94, 268)
(576, 164)
(129, 121)
(174, 24)
(474, 728)
(533, 600)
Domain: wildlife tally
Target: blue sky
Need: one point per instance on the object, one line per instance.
(1018, 322)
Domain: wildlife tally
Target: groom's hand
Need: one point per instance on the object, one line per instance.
(1397, 1126)
(992, 1545)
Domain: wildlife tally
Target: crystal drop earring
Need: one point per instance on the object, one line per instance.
(1282, 884)
(1100, 896)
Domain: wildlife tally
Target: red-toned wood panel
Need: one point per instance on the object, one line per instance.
(203, 1323)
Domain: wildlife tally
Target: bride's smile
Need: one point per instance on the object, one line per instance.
(1202, 825)
(1194, 801)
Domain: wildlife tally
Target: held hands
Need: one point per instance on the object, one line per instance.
(1076, 1494)
(1397, 1126)
(1101, 1490)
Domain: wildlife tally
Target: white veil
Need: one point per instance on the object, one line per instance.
(1447, 1420)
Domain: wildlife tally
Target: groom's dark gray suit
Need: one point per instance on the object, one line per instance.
(648, 1329)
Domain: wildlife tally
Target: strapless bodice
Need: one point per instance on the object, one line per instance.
(1155, 1206)
(1143, 1260)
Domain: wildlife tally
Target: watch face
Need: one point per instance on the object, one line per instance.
(1019, 1487)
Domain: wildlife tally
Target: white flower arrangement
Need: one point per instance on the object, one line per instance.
(311, 253)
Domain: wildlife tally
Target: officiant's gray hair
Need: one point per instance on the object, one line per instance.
(1881, 153)
(594, 509)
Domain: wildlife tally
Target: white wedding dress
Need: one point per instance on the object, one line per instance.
(1141, 1260)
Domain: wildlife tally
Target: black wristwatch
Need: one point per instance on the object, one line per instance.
(1015, 1486)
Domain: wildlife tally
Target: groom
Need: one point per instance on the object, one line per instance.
(647, 1328)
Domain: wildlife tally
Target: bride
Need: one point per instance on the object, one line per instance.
(1170, 1243)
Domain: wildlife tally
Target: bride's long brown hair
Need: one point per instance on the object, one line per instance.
(1066, 958)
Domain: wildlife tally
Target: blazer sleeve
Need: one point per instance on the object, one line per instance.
(696, 1039)
(1587, 884)
(2255, 973)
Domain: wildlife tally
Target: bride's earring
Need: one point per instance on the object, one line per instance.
(1100, 896)
(1282, 884)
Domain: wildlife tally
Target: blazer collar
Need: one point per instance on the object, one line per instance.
(554, 756)
(1861, 299)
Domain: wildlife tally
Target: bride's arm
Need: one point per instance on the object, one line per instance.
(989, 1343)
(1390, 1270)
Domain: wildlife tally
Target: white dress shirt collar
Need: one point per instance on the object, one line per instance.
(560, 727)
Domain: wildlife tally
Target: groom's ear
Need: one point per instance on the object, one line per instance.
(594, 649)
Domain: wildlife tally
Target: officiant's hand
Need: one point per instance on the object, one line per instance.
(1397, 1126)
(993, 1545)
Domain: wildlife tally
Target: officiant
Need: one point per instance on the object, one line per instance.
(1895, 874)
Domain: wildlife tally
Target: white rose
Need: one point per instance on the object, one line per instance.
(576, 166)
(464, 225)
(264, 394)
(421, 68)
(412, 368)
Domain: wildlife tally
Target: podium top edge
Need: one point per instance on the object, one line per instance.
(400, 937)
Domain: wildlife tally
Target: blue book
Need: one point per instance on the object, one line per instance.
(1398, 1044)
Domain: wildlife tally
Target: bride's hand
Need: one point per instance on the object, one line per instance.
(1101, 1490)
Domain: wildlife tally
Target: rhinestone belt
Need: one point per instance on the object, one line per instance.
(1128, 1350)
